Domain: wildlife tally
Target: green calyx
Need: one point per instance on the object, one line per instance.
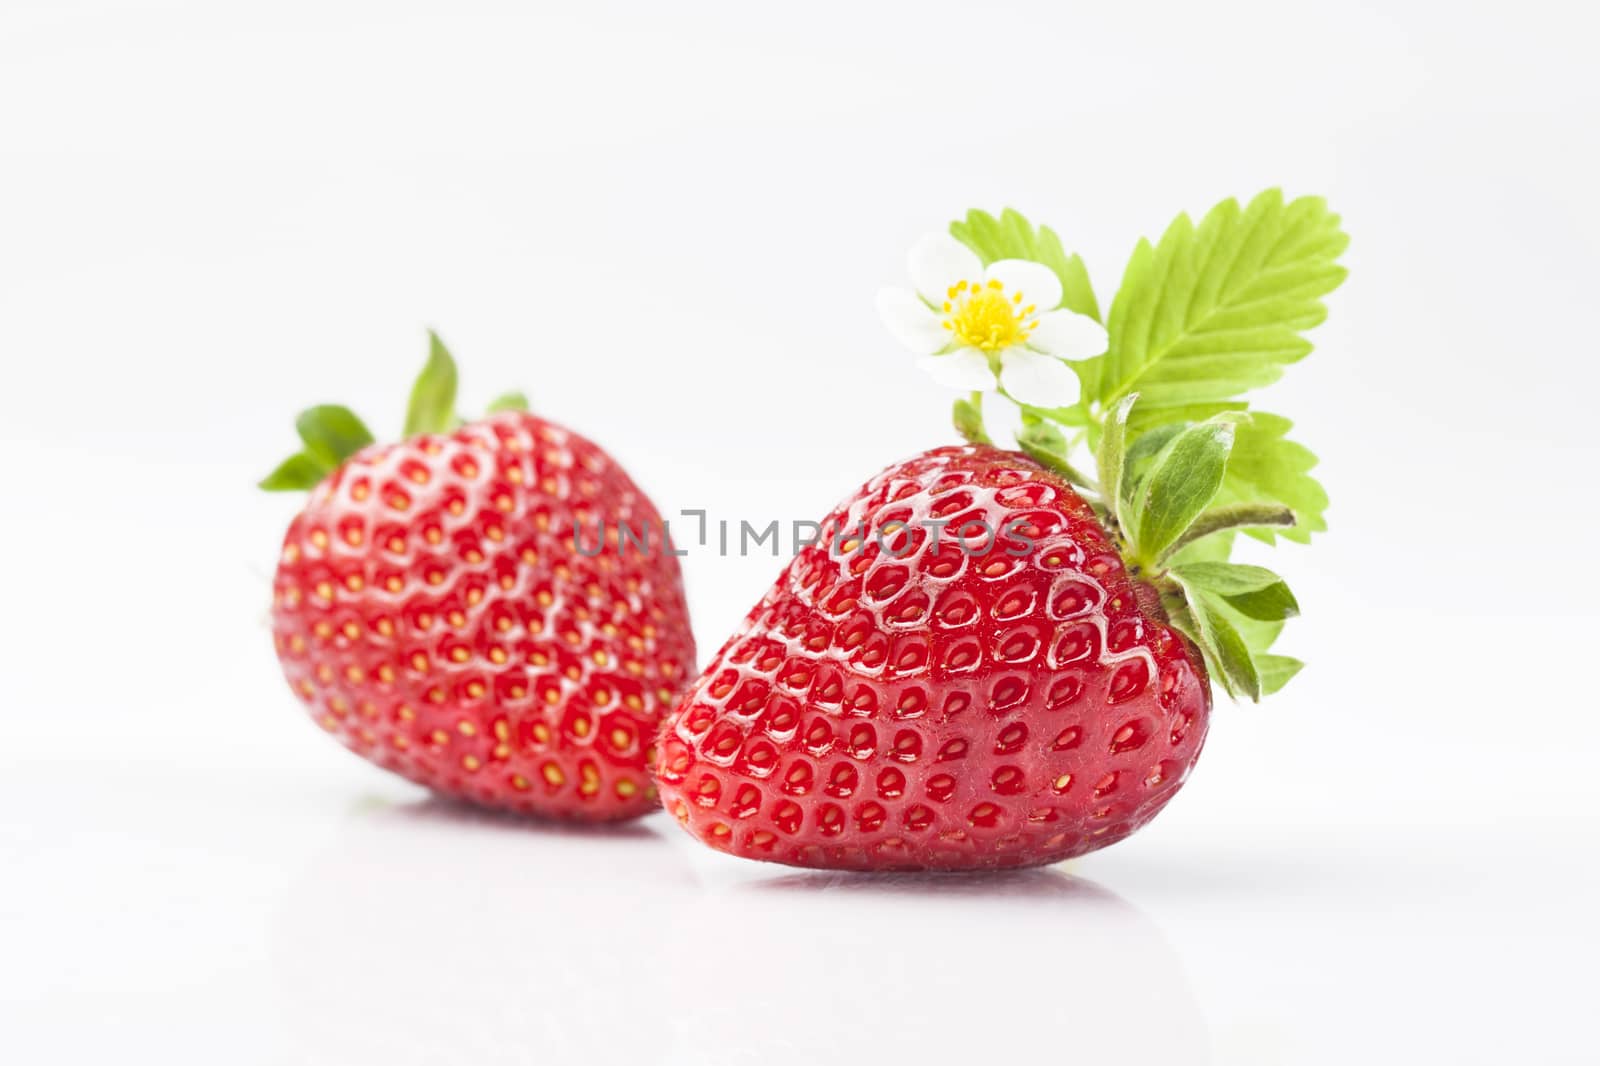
(331, 433)
(1181, 463)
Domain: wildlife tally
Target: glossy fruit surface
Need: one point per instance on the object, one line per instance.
(434, 612)
(919, 691)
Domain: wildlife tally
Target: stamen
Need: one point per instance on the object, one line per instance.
(987, 319)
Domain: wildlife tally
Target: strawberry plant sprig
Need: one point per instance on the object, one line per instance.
(910, 695)
(1181, 463)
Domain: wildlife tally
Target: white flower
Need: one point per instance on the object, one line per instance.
(970, 325)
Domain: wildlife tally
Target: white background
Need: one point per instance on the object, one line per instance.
(666, 223)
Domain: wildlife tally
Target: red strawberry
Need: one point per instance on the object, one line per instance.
(432, 609)
(893, 703)
(977, 667)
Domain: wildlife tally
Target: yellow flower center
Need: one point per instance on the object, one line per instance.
(982, 315)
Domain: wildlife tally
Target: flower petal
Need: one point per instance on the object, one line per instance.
(966, 369)
(911, 322)
(1069, 335)
(1038, 283)
(937, 262)
(1037, 380)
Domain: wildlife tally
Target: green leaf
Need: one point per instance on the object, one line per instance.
(331, 433)
(1253, 591)
(433, 397)
(1212, 311)
(1013, 237)
(1227, 654)
(1183, 479)
(1043, 443)
(1276, 671)
(1259, 636)
(1215, 625)
(297, 473)
(968, 419)
(1140, 453)
(1111, 456)
(1147, 416)
(1267, 467)
(1145, 447)
(1213, 549)
(1076, 416)
(1228, 579)
(1230, 517)
(508, 401)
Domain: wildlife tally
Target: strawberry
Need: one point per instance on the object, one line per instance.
(435, 609)
(990, 659)
(895, 702)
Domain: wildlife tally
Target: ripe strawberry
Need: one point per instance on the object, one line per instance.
(895, 703)
(432, 609)
(977, 667)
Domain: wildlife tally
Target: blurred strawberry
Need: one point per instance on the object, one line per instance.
(437, 608)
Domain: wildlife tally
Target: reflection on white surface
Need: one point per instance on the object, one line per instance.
(337, 916)
(792, 967)
(429, 931)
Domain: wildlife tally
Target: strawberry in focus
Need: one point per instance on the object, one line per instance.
(434, 612)
(991, 659)
(904, 699)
